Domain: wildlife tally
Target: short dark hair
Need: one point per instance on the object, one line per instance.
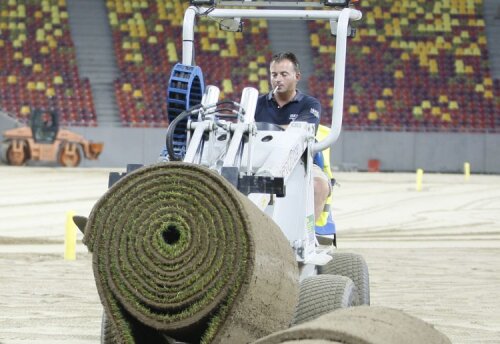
(287, 55)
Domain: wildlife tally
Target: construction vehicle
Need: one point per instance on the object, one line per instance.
(269, 165)
(43, 140)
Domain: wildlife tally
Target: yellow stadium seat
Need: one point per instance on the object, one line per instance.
(417, 111)
(227, 86)
(263, 86)
(12, 79)
(127, 87)
(138, 58)
(436, 111)
(25, 110)
(398, 74)
(433, 67)
(380, 104)
(443, 99)
(137, 94)
(37, 68)
(40, 86)
(58, 80)
(27, 61)
(372, 116)
(315, 40)
(50, 92)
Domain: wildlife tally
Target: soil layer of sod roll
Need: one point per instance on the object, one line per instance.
(179, 252)
(360, 325)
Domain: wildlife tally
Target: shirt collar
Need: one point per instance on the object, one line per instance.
(298, 96)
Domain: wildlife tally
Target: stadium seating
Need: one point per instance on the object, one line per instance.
(38, 68)
(413, 66)
(147, 44)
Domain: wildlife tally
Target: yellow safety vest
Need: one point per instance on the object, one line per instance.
(325, 224)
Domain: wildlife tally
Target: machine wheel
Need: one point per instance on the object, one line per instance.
(352, 266)
(15, 157)
(69, 154)
(322, 294)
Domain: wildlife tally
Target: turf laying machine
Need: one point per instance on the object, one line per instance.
(217, 243)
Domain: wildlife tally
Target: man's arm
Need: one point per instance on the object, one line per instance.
(310, 112)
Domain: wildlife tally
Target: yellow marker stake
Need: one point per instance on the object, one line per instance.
(420, 174)
(466, 170)
(70, 237)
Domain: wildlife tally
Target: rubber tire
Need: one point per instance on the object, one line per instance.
(353, 266)
(7, 151)
(323, 294)
(66, 163)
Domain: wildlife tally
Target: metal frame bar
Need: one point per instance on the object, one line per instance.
(342, 19)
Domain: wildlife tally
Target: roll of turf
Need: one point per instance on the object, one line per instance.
(360, 325)
(178, 252)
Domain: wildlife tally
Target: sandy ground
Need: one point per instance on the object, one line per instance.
(434, 254)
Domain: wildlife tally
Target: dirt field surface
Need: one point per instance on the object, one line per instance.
(434, 253)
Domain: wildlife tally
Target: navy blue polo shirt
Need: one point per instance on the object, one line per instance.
(301, 108)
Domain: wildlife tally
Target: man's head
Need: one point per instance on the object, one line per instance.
(285, 72)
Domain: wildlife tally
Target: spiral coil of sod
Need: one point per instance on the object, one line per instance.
(179, 252)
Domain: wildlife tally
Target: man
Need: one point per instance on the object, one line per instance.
(285, 104)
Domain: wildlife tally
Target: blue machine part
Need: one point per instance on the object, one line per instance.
(185, 90)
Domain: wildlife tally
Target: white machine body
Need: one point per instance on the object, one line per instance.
(273, 167)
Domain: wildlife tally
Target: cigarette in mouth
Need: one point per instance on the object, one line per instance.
(275, 89)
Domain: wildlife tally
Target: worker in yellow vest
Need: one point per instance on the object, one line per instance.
(325, 227)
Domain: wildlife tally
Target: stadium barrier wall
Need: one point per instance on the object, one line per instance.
(396, 151)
